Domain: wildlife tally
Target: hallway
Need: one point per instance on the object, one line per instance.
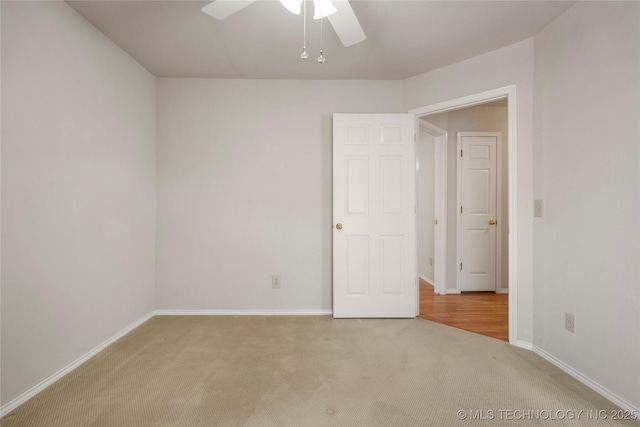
(485, 313)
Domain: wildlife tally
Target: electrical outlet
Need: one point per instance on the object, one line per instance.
(275, 282)
(570, 322)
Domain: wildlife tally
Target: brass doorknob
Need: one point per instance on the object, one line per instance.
(339, 226)
(492, 222)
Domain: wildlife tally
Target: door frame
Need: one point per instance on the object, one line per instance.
(508, 92)
(440, 204)
(498, 249)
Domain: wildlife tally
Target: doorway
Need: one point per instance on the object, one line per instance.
(502, 300)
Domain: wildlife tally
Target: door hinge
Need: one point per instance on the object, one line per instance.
(460, 209)
(460, 266)
(460, 153)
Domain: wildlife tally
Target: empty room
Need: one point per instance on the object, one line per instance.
(212, 212)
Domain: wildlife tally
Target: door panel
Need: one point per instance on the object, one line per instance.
(478, 202)
(391, 264)
(374, 252)
(391, 179)
(357, 185)
(357, 259)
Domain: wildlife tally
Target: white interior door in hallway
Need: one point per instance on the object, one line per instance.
(478, 216)
(374, 229)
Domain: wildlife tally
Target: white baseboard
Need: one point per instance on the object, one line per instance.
(243, 312)
(503, 291)
(426, 279)
(31, 392)
(522, 344)
(452, 291)
(14, 403)
(586, 380)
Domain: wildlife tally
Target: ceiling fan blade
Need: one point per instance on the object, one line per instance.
(220, 9)
(346, 24)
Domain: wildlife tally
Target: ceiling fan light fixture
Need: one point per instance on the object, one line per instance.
(323, 8)
(292, 6)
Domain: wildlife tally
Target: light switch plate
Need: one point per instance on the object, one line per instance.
(538, 208)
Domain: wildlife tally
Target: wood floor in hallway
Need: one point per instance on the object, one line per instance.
(485, 313)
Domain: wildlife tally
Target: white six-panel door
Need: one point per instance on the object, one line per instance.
(478, 210)
(374, 245)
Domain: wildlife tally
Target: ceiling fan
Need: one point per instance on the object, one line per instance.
(339, 13)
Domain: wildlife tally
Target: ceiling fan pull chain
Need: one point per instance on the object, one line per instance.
(304, 54)
(321, 58)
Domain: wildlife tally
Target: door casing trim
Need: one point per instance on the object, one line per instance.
(508, 92)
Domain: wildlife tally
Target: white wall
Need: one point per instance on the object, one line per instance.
(244, 189)
(78, 191)
(587, 81)
(507, 66)
(0, 204)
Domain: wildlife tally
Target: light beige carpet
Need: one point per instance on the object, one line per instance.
(310, 371)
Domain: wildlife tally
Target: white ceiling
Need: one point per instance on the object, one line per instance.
(264, 40)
